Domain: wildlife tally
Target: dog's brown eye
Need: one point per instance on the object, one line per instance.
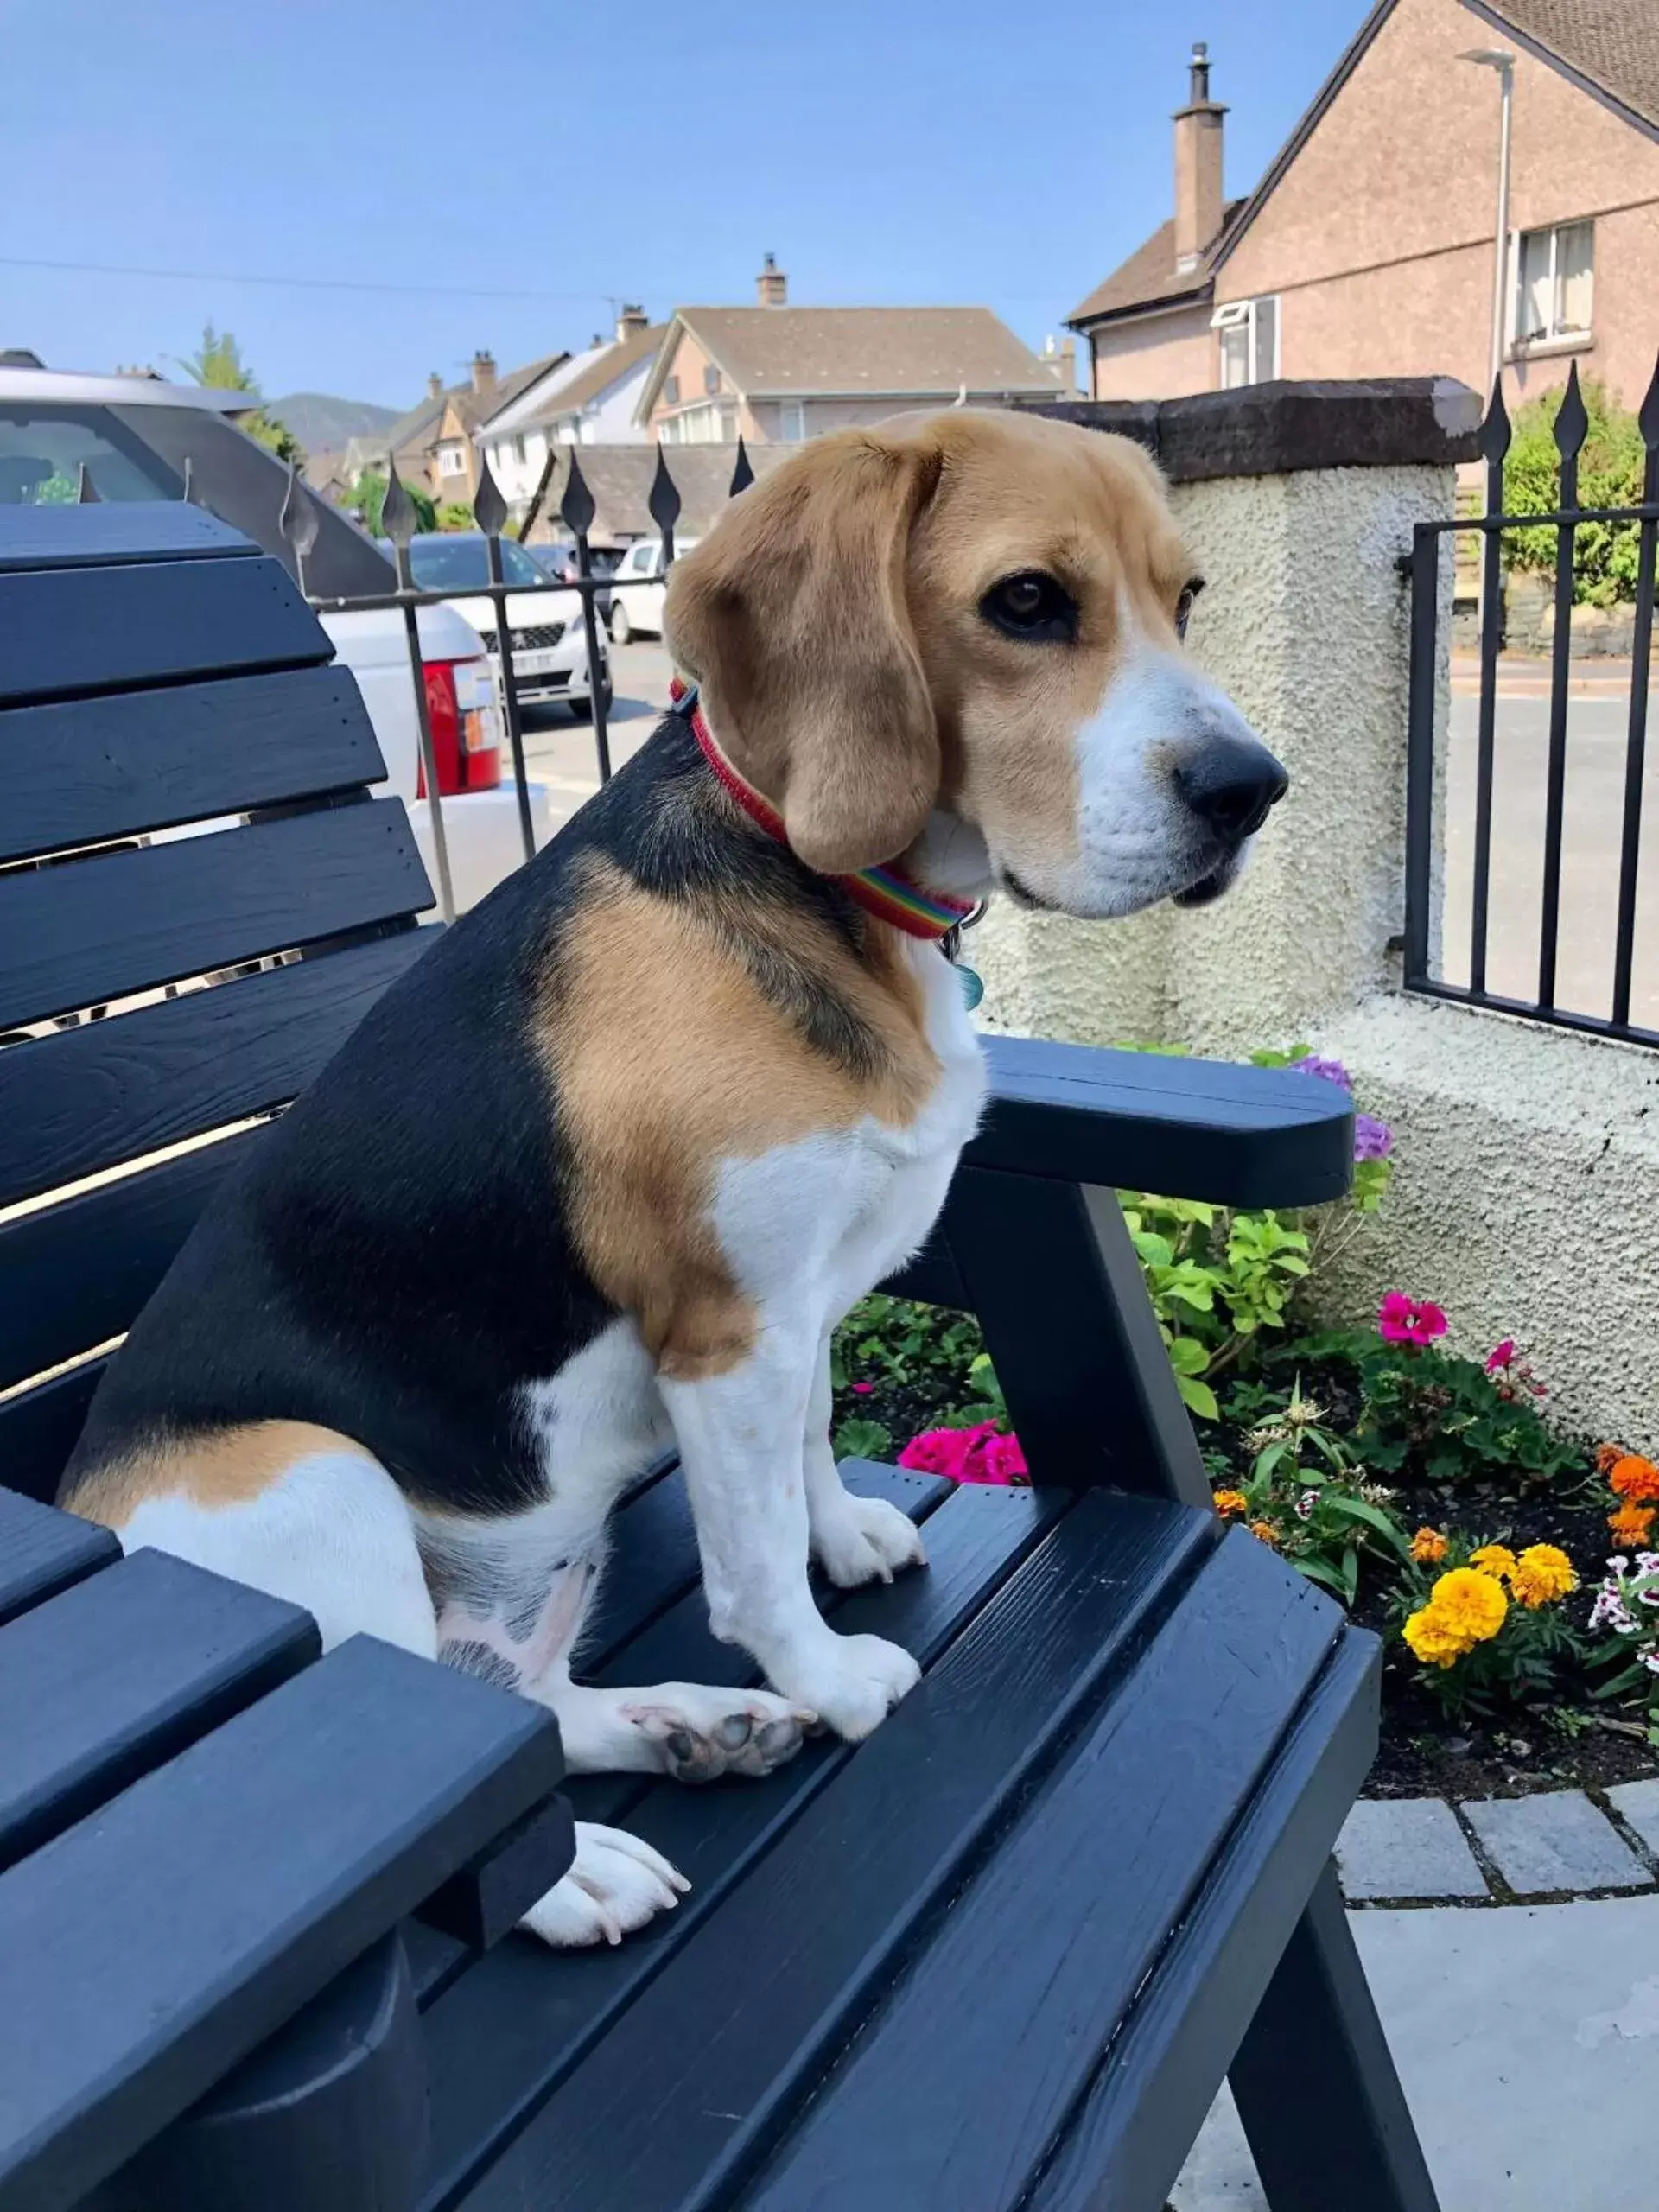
(1184, 604)
(1032, 608)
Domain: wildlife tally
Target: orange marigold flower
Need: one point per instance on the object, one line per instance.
(1542, 1573)
(1428, 1546)
(1608, 1457)
(1495, 1559)
(1636, 1479)
(1230, 1502)
(1265, 1533)
(1632, 1523)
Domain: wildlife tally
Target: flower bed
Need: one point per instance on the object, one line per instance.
(1507, 1566)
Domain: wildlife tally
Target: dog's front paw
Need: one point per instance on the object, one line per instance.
(852, 1682)
(868, 1542)
(702, 1733)
(616, 1884)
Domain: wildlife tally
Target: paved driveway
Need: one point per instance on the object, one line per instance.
(560, 753)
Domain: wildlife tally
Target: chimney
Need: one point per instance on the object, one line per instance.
(771, 286)
(1198, 167)
(435, 386)
(630, 323)
(483, 373)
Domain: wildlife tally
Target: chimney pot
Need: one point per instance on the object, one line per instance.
(630, 322)
(483, 372)
(435, 386)
(771, 286)
(1199, 201)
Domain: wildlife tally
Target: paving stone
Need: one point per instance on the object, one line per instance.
(1638, 1803)
(1406, 1847)
(1554, 1841)
(1528, 2039)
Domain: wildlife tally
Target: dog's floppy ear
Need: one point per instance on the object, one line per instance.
(791, 616)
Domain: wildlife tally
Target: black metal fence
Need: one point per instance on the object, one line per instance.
(1483, 827)
(577, 512)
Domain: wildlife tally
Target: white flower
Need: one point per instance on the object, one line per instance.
(1306, 1503)
(1650, 1661)
(1647, 1562)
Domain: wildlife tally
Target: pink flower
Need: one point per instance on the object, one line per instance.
(1500, 1356)
(1402, 1320)
(862, 1389)
(982, 1454)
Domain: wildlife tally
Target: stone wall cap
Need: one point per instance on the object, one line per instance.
(1275, 429)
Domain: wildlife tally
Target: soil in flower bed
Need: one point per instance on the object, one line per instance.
(1423, 1753)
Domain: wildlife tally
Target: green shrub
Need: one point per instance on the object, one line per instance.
(1610, 475)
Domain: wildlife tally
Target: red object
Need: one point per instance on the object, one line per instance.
(981, 1454)
(464, 747)
(1403, 1320)
(886, 893)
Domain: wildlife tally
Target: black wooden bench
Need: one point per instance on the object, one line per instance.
(256, 1946)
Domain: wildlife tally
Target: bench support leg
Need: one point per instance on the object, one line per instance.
(1315, 2081)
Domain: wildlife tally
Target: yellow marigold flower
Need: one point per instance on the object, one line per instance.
(1496, 1560)
(1428, 1546)
(1229, 1502)
(1434, 1643)
(1632, 1523)
(1471, 1604)
(1265, 1533)
(1542, 1573)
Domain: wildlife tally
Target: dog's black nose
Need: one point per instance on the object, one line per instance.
(1231, 782)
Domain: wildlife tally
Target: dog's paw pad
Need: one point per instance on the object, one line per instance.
(702, 1734)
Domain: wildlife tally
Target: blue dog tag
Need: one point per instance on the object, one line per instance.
(972, 987)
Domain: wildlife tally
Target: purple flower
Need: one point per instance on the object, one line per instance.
(1329, 1071)
(1373, 1140)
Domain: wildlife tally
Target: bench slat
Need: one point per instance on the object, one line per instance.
(117, 1674)
(292, 1838)
(199, 903)
(77, 771)
(653, 1562)
(43, 1551)
(74, 1275)
(1039, 1960)
(88, 1098)
(115, 530)
(1131, 2130)
(1008, 1686)
(39, 1429)
(69, 632)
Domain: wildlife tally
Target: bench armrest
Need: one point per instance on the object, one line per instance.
(1236, 1136)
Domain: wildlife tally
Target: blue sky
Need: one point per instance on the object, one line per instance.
(888, 151)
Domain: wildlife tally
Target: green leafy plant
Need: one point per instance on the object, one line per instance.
(896, 1340)
(856, 1438)
(454, 514)
(367, 497)
(1610, 475)
(1431, 1415)
(1307, 1497)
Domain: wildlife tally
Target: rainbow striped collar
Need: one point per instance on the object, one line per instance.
(886, 893)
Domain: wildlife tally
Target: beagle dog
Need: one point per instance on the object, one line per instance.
(608, 1166)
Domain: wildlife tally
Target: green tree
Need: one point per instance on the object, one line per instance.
(217, 363)
(455, 514)
(368, 496)
(1610, 475)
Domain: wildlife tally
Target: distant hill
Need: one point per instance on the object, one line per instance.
(323, 424)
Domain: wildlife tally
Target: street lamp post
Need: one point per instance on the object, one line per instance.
(1492, 57)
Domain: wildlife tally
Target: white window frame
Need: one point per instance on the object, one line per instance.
(451, 461)
(1554, 338)
(1261, 364)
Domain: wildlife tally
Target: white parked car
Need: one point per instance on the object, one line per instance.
(550, 640)
(133, 436)
(639, 589)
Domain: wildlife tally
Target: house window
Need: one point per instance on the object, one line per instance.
(450, 462)
(1249, 341)
(711, 378)
(1554, 271)
(672, 391)
(792, 422)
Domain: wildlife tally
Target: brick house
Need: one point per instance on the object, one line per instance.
(1368, 249)
(775, 374)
